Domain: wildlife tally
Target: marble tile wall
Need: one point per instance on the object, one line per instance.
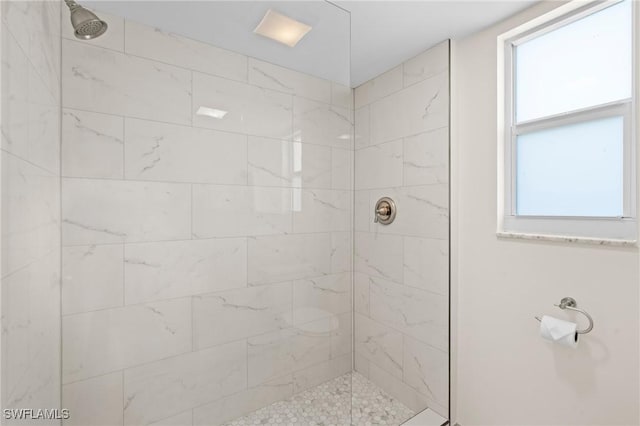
(401, 285)
(30, 225)
(206, 262)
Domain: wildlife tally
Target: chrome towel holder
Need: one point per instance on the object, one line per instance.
(570, 303)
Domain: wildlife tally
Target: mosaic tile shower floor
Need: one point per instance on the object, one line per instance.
(329, 404)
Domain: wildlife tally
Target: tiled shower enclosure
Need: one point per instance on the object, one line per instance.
(162, 266)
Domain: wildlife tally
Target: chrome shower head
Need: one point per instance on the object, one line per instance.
(85, 23)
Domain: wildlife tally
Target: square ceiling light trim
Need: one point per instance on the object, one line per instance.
(281, 28)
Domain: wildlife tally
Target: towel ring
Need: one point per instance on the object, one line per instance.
(571, 304)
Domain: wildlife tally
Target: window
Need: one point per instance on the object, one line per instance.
(568, 147)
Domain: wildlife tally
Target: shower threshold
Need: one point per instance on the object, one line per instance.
(350, 399)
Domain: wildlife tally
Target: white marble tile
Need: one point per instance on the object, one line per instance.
(379, 255)
(159, 45)
(232, 211)
(17, 331)
(321, 373)
(379, 87)
(312, 166)
(165, 270)
(170, 386)
(31, 334)
(360, 364)
(270, 162)
(426, 369)
(108, 211)
(250, 109)
(423, 211)
(92, 145)
(321, 124)
(43, 144)
(341, 95)
(30, 206)
(341, 252)
(289, 257)
(426, 158)
(362, 127)
(363, 211)
(94, 402)
(341, 168)
(321, 297)
(322, 210)
(112, 39)
(92, 278)
(172, 153)
(416, 109)
(36, 27)
(16, 70)
(342, 336)
(31, 215)
(270, 76)
(404, 114)
(427, 64)
(30, 113)
(282, 352)
(280, 163)
(240, 313)
(417, 313)
(379, 166)
(397, 388)
(361, 293)
(102, 80)
(426, 264)
(108, 340)
(246, 401)
(379, 343)
(183, 419)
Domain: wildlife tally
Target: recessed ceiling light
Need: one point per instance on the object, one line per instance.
(212, 112)
(281, 28)
(344, 137)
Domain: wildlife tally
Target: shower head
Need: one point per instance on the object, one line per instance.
(85, 23)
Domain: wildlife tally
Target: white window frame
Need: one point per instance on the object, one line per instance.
(600, 228)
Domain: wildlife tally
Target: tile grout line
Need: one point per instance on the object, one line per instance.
(124, 275)
(60, 231)
(191, 203)
(123, 393)
(231, 237)
(51, 173)
(241, 185)
(211, 129)
(210, 74)
(193, 325)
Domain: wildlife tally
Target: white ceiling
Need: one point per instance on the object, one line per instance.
(387, 33)
(324, 51)
(383, 33)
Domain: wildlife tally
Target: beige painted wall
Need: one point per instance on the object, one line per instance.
(504, 373)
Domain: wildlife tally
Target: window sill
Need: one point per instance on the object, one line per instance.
(566, 239)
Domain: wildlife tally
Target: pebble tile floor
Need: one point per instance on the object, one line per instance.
(329, 404)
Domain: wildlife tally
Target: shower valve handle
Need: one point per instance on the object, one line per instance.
(384, 211)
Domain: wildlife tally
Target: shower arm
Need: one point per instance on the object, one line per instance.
(72, 5)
